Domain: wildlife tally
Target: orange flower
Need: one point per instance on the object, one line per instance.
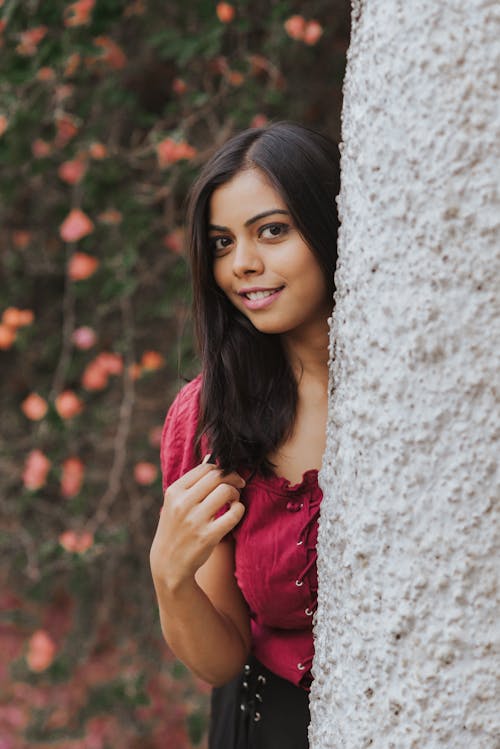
(78, 14)
(110, 362)
(45, 74)
(145, 473)
(72, 477)
(21, 238)
(135, 371)
(30, 39)
(98, 151)
(179, 86)
(7, 337)
(169, 151)
(34, 407)
(68, 404)
(76, 543)
(40, 148)
(112, 54)
(312, 33)
(225, 12)
(94, 377)
(111, 216)
(295, 27)
(17, 318)
(235, 78)
(75, 226)
(41, 651)
(36, 469)
(175, 241)
(67, 128)
(73, 171)
(72, 64)
(4, 123)
(259, 120)
(81, 266)
(152, 360)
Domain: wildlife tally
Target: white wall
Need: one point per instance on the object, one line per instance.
(407, 630)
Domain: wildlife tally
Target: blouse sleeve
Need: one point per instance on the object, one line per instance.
(177, 451)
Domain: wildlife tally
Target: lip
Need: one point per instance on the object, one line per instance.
(256, 304)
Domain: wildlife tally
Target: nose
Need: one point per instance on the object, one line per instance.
(247, 259)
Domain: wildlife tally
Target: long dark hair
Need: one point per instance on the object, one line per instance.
(249, 393)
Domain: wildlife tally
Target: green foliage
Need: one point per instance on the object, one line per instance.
(88, 95)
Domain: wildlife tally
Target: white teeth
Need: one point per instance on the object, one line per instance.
(254, 295)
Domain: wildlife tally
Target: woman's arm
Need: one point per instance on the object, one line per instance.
(203, 615)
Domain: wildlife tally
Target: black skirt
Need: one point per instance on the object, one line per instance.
(259, 710)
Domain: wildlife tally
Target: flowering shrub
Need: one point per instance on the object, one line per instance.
(108, 109)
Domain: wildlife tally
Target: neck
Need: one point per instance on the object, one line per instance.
(307, 352)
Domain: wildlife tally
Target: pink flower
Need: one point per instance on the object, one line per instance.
(36, 469)
(312, 33)
(72, 172)
(145, 473)
(75, 226)
(84, 337)
(76, 543)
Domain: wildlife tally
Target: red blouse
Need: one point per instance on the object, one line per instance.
(275, 546)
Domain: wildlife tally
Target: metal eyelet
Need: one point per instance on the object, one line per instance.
(261, 679)
(309, 612)
(243, 707)
(256, 717)
(258, 697)
(300, 666)
(245, 685)
(299, 543)
(298, 583)
(246, 668)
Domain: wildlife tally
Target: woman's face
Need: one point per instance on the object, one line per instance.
(261, 262)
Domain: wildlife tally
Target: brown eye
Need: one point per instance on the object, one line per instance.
(274, 231)
(219, 244)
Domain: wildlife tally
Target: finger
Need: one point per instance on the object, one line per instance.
(224, 494)
(226, 522)
(210, 481)
(191, 477)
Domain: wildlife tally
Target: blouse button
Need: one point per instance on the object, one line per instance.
(294, 506)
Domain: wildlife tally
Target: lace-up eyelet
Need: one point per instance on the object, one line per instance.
(308, 612)
(299, 543)
(299, 583)
(300, 666)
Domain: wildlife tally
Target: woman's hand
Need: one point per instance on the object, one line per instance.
(189, 528)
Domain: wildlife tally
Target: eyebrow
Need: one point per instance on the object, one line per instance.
(250, 221)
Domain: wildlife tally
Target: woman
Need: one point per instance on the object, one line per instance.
(234, 559)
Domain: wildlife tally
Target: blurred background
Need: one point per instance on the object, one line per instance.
(107, 111)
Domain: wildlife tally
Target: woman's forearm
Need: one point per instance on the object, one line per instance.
(202, 637)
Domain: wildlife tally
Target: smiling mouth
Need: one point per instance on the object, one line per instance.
(254, 296)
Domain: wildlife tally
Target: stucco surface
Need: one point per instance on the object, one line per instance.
(407, 628)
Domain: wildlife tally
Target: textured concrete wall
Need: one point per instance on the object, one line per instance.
(407, 630)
